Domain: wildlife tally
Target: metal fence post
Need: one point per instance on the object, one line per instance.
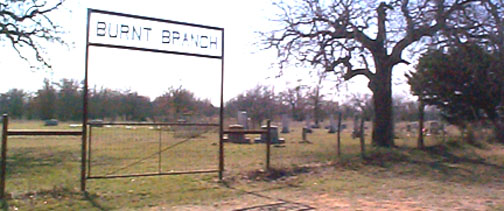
(4, 155)
(268, 145)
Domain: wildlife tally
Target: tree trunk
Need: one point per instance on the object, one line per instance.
(381, 86)
(420, 141)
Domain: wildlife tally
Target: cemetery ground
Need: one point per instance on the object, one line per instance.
(43, 174)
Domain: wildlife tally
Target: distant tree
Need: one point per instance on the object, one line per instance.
(329, 107)
(25, 24)
(315, 98)
(179, 102)
(45, 101)
(69, 103)
(404, 109)
(31, 111)
(364, 105)
(13, 103)
(259, 103)
(348, 33)
(134, 107)
(206, 108)
(295, 100)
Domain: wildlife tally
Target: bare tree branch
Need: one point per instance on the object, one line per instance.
(25, 24)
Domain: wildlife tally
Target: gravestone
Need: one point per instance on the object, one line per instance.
(51, 122)
(412, 127)
(285, 123)
(238, 138)
(435, 127)
(333, 127)
(307, 124)
(96, 122)
(304, 135)
(356, 127)
(273, 134)
(242, 119)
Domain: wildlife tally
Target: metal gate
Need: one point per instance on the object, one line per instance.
(149, 149)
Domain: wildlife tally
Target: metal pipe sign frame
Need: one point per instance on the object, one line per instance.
(132, 32)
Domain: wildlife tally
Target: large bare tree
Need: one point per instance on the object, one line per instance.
(25, 24)
(368, 38)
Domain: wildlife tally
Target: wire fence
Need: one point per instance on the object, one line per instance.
(123, 149)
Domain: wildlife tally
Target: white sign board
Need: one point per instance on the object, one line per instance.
(142, 33)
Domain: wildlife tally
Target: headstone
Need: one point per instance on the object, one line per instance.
(51, 122)
(412, 127)
(356, 127)
(242, 119)
(273, 134)
(238, 138)
(96, 122)
(435, 127)
(333, 127)
(304, 135)
(307, 124)
(285, 123)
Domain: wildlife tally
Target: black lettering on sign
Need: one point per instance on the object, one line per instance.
(165, 37)
(195, 40)
(175, 36)
(204, 44)
(136, 33)
(185, 40)
(100, 29)
(116, 31)
(147, 31)
(213, 43)
(124, 31)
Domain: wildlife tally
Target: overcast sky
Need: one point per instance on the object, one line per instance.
(152, 74)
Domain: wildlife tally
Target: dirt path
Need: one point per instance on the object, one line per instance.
(475, 198)
(439, 182)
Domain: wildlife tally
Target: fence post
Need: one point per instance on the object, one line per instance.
(339, 133)
(4, 155)
(362, 143)
(268, 144)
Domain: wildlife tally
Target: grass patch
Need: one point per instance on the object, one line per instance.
(43, 172)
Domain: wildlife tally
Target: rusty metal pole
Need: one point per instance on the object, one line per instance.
(85, 109)
(4, 155)
(339, 134)
(89, 150)
(268, 144)
(221, 116)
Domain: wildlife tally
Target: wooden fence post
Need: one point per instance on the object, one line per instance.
(339, 133)
(362, 143)
(268, 144)
(3, 165)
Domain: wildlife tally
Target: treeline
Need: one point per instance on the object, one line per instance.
(63, 101)
(304, 102)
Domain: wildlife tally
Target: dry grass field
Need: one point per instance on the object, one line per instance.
(43, 173)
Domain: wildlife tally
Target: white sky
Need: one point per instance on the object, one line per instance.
(151, 73)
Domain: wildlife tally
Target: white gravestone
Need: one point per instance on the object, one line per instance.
(242, 119)
(333, 128)
(285, 123)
